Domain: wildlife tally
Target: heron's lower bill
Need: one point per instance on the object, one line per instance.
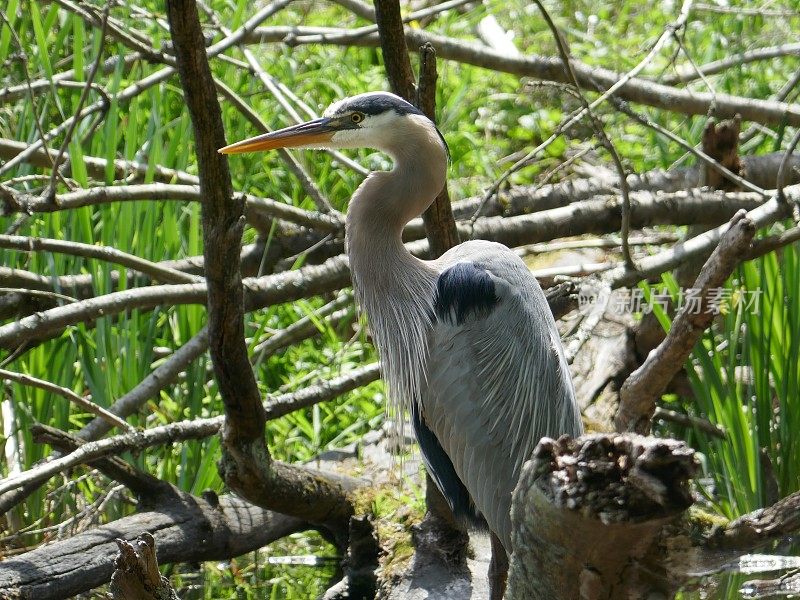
(311, 133)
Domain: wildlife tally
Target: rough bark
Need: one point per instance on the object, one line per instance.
(246, 465)
(760, 526)
(188, 529)
(136, 575)
(613, 494)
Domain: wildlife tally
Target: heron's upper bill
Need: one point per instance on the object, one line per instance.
(312, 133)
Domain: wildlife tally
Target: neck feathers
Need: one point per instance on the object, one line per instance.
(397, 294)
(395, 289)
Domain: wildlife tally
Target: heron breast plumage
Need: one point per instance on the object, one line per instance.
(496, 378)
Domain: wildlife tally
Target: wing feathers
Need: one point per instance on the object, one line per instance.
(496, 379)
(441, 470)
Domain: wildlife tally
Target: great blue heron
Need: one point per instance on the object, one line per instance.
(467, 341)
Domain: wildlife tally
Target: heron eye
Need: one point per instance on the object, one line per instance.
(356, 117)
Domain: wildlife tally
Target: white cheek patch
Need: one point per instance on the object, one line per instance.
(349, 138)
(370, 131)
(384, 119)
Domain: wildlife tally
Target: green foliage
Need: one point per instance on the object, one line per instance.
(744, 378)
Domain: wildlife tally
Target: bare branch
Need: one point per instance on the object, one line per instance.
(735, 60)
(144, 485)
(167, 434)
(222, 231)
(333, 312)
(50, 321)
(15, 92)
(96, 167)
(786, 585)
(765, 214)
(394, 50)
(645, 385)
(19, 202)
(781, 179)
(246, 465)
(684, 420)
(631, 88)
(162, 376)
(287, 403)
(759, 11)
(760, 526)
(67, 393)
(105, 253)
(709, 161)
(440, 226)
(592, 216)
(771, 243)
(189, 528)
(598, 126)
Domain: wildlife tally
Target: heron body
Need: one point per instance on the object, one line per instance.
(467, 341)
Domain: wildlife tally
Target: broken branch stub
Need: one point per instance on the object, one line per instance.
(611, 493)
(136, 575)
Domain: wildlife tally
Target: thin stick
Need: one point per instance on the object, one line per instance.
(67, 393)
(51, 190)
(104, 253)
(598, 127)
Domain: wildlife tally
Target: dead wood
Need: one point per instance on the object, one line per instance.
(440, 225)
(136, 575)
(760, 526)
(645, 385)
(200, 529)
(246, 465)
(188, 528)
(613, 494)
(721, 142)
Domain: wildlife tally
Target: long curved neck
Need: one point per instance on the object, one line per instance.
(387, 200)
(394, 288)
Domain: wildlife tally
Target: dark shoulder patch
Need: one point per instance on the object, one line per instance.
(444, 475)
(462, 290)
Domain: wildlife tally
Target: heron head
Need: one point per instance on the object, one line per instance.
(372, 120)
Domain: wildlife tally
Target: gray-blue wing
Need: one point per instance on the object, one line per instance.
(497, 380)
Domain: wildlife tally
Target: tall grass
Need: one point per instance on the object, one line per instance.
(745, 378)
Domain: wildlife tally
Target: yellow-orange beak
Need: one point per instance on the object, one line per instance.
(318, 131)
